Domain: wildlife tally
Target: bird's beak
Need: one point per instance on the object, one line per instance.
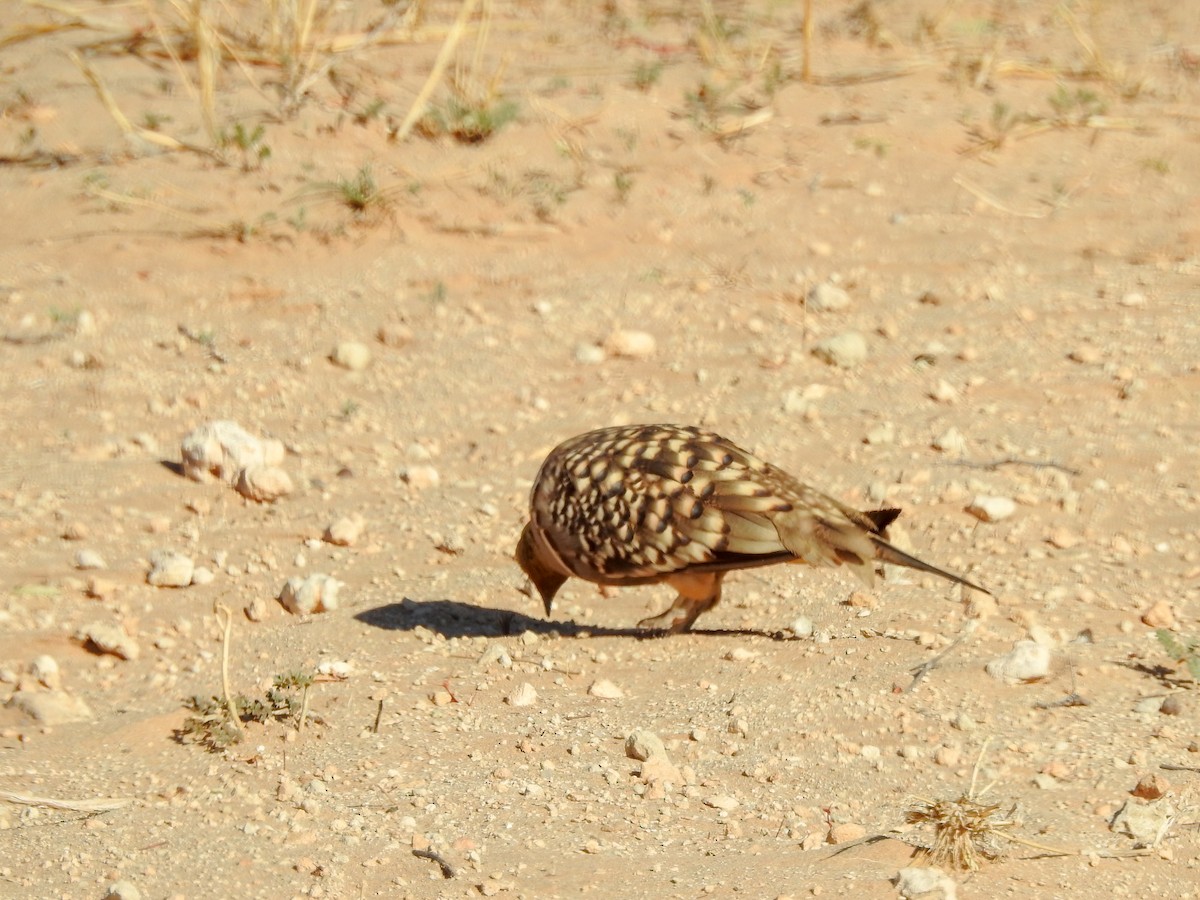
(543, 577)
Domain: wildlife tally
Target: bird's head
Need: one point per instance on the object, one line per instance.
(532, 560)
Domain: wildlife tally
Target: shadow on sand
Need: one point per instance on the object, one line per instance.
(452, 618)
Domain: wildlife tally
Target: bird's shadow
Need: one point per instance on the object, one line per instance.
(453, 618)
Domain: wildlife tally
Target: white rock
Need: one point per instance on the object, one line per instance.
(264, 484)
(1145, 822)
(256, 609)
(590, 354)
(312, 594)
(123, 890)
(881, 433)
(202, 575)
(51, 707)
(605, 690)
(522, 695)
(89, 559)
(496, 654)
(643, 744)
(802, 626)
(273, 451)
(85, 322)
(944, 392)
(827, 297)
(351, 355)
(335, 668)
(950, 441)
(631, 344)
(346, 531)
(845, 350)
(918, 881)
(422, 477)
(1134, 298)
(45, 669)
(170, 569)
(803, 401)
(220, 449)
(109, 639)
(1027, 661)
(991, 509)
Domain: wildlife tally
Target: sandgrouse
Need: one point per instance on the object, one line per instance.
(643, 504)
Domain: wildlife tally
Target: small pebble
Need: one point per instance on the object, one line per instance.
(991, 509)
(222, 449)
(123, 890)
(1151, 787)
(1160, 614)
(496, 654)
(883, 433)
(1172, 706)
(590, 354)
(422, 477)
(944, 392)
(802, 626)
(256, 609)
(101, 588)
(915, 882)
(631, 344)
(76, 531)
(1027, 661)
(89, 559)
(45, 669)
(346, 531)
(827, 297)
(845, 350)
(605, 690)
(740, 654)
(264, 484)
(351, 355)
(1062, 538)
(1144, 822)
(523, 695)
(950, 441)
(643, 744)
(170, 569)
(202, 575)
(312, 594)
(109, 639)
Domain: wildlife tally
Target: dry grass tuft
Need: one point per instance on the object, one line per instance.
(965, 831)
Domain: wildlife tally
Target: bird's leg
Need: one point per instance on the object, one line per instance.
(698, 591)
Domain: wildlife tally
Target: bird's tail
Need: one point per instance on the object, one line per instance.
(885, 552)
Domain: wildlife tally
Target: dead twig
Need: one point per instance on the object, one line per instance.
(421, 103)
(235, 720)
(1013, 461)
(447, 869)
(1072, 699)
(90, 806)
(928, 666)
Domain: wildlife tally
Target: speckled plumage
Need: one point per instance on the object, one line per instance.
(644, 504)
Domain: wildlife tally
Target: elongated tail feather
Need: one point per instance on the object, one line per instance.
(885, 552)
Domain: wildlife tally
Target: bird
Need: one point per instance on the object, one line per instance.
(681, 505)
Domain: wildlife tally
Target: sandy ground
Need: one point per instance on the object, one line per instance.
(1007, 195)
